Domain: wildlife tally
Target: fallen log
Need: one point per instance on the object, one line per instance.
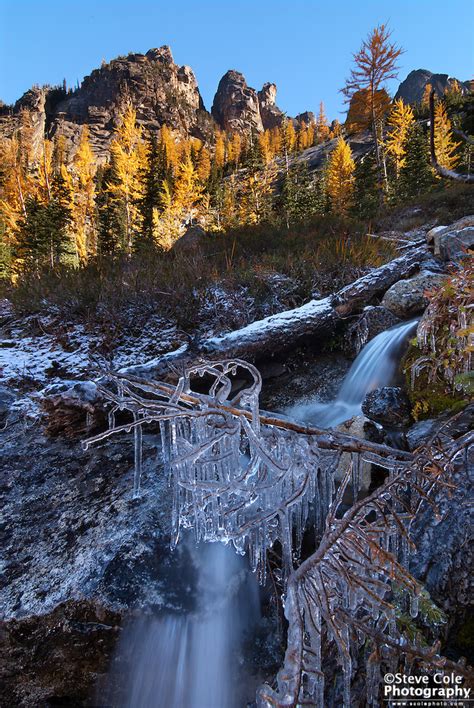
(285, 330)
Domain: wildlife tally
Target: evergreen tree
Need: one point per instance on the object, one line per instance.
(416, 175)
(297, 201)
(110, 213)
(154, 173)
(42, 239)
(365, 197)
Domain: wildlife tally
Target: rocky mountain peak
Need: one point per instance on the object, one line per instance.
(162, 54)
(236, 105)
(412, 88)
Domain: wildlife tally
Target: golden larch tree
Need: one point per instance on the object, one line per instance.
(83, 171)
(128, 152)
(188, 191)
(375, 63)
(340, 177)
(400, 121)
(322, 127)
(219, 150)
(445, 145)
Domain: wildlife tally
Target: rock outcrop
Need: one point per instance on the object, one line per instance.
(161, 91)
(271, 115)
(411, 90)
(236, 105)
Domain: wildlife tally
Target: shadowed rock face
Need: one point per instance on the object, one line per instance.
(411, 90)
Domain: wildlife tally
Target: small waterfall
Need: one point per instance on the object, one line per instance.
(193, 660)
(375, 366)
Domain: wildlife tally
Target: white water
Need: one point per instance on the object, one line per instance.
(375, 366)
(192, 661)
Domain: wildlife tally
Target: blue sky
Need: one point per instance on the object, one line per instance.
(305, 47)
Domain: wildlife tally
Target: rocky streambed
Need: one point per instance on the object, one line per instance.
(80, 555)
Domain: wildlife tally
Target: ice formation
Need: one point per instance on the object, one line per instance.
(236, 478)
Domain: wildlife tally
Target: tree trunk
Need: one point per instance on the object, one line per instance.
(286, 330)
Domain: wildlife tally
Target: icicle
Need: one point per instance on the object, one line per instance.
(414, 605)
(138, 458)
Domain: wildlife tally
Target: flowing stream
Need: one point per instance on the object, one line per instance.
(192, 660)
(376, 365)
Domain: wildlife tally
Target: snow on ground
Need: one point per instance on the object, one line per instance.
(36, 353)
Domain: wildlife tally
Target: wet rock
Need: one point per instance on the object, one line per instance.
(356, 427)
(78, 552)
(388, 405)
(407, 297)
(371, 322)
(55, 659)
(420, 433)
(444, 549)
(445, 426)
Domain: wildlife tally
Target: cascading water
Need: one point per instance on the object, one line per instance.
(192, 660)
(375, 366)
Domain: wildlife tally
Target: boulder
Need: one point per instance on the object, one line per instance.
(371, 322)
(436, 235)
(388, 405)
(407, 297)
(191, 240)
(445, 425)
(455, 245)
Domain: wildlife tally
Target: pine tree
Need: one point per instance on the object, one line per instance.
(400, 121)
(445, 145)
(297, 201)
(416, 175)
(340, 177)
(365, 197)
(156, 170)
(111, 232)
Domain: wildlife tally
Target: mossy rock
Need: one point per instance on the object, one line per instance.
(429, 398)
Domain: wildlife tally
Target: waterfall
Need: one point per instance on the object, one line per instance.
(375, 366)
(192, 660)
